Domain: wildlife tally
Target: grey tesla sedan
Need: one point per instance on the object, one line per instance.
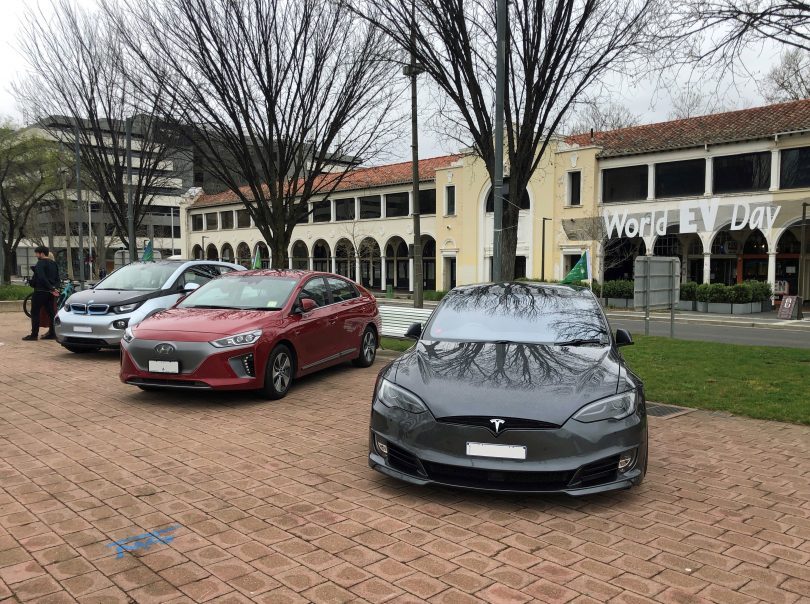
(512, 387)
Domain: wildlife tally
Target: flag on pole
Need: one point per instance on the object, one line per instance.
(581, 270)
(257, 259)
(148, 253)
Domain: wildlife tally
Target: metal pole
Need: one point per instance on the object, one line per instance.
(79, 205)
(172, 227)
(802, 251)
(543, 252)
(647, 296)
(130, 209)
(672, 299)
(68, 250)
(90, 236)
(497, 185)
(417, 227)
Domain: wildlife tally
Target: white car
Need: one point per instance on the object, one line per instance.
(97, 318)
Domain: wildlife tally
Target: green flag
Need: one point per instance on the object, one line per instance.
(580, 272)
(148, 253)
(257, 259)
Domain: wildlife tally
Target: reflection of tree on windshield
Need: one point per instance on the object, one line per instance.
(512, 366)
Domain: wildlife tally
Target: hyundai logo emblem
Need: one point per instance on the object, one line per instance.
(497, 423)
(164, 348)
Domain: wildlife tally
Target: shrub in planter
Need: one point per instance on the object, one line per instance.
(702, 292)
(760, 290)
(433, 296)
(689, 291)
(740, 293)
(719, 293)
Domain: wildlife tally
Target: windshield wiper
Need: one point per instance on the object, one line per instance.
(209, 306)
(258, 308)
(580, 342)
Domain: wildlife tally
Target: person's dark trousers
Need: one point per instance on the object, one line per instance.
(39, 301)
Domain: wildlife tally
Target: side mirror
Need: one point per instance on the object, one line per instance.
(623, 338)
(414, 331)
(190, 287)
(307, 304)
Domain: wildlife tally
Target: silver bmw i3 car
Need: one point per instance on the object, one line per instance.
(512, 387)
(97, 318)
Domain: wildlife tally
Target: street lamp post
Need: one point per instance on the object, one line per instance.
(68, 252)
(543, 251)
(412, 70)
(802, 250)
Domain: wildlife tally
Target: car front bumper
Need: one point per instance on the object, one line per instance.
(201, 366)
(90, 331)
(576, 458)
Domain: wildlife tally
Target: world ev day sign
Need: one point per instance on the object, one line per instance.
(692, 216)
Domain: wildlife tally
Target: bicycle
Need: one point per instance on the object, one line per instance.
(68, 289)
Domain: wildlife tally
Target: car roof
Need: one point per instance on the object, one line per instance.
(289, 273)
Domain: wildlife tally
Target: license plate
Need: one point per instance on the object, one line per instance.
(164, 366)
(82, 329)
(499, 451)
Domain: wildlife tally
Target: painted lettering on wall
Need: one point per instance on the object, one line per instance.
(691, 217)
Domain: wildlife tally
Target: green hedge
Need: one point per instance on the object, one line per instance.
(433, 295)
(760, 290)
(689, 291)
(14, 292)
(740, 293)
(618, 289)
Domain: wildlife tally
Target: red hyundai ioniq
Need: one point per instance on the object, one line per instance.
(253, 330)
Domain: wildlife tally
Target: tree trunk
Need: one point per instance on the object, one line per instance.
(280, 256)
(7, 259)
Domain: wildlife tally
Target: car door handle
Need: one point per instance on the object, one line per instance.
(332, 321)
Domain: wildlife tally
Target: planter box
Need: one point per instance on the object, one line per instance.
(617, 302)
(741, 309)
(702, 306)
(11, 305)
(767, 306)
(720, 308)
(686, 305)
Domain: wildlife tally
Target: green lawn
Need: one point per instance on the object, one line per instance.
(14, 292)
(756, 381)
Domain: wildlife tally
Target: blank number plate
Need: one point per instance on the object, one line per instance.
(499, 451)
(82, 329)
(164, 366)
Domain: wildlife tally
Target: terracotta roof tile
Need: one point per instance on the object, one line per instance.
(732, 126)
(361, 178)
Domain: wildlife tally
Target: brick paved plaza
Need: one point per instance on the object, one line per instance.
(274, 502)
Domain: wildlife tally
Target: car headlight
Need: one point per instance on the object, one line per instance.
(128, 335)
(240, 339)
(618, 406)
(126, 307)
(393, 396)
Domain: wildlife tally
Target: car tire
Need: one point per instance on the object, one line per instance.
(368, 349)
(81, 349)
(278, 376)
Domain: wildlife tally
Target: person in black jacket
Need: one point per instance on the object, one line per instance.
(45, 281)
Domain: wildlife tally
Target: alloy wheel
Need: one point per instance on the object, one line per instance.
(282, 371)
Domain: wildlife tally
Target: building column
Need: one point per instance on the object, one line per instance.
(311, 260)
(772, 269)
(707, 267)
(357, 276)
(774, 170)
(410, 274)
(383, 276)
(410, 203)
(707, 187)
(290, 260)
(334, 264)
(650, 182)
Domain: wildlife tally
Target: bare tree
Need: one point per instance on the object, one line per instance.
(602, 116)
(555, 51)
(281, 98)
(726, 26)
(789, 80)
(28, 175)
(78, 84)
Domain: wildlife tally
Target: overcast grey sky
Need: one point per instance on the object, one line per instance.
(645, 99)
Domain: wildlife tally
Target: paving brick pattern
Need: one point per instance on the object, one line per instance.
(275, 503)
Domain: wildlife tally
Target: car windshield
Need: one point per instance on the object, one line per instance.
(139, 277)
(518, 313)
(242, 293)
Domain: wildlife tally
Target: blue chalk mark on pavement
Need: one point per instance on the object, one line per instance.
(143, 541)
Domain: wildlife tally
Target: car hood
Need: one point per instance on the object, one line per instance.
(198, 324)
(529, 381)
(114, 297)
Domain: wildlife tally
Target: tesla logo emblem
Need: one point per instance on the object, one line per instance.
(497, 423)
(164, 348)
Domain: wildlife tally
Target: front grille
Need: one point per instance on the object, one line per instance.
(98, 309)
(509, 423)
(84, 341)
(401, 460)
(79, 309)
(497, 479)
(597, 472)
